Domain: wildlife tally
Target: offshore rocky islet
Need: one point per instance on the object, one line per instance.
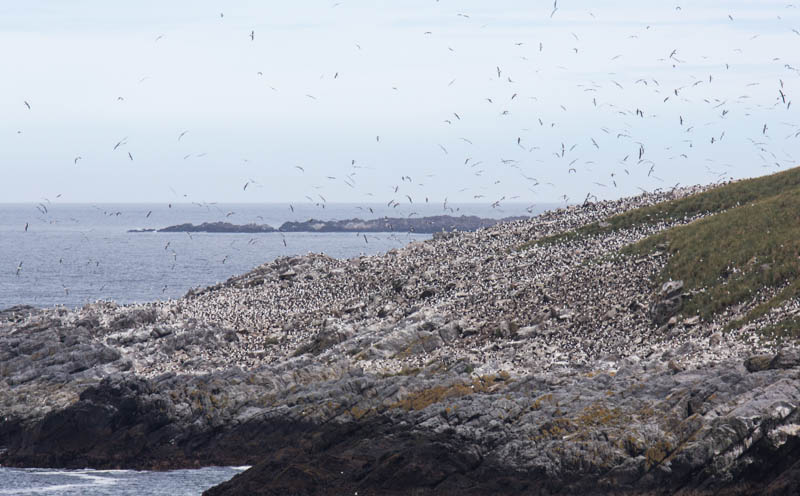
(420, 225)
(488, 368)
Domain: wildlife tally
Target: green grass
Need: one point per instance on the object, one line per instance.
(735, 254)
(748, 248)
(712, 201)
(788, 329)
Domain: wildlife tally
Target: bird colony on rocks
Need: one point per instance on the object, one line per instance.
(471, 363)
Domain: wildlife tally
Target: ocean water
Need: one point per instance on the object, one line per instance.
(73, 254)
(21, 481)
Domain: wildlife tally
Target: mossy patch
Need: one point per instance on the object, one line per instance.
(422, 399)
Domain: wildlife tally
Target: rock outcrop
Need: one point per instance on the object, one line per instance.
(668, 302)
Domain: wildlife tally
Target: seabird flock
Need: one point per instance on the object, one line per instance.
(554, 118)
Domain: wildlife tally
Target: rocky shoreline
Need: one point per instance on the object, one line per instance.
(459, 365)
(420, 225)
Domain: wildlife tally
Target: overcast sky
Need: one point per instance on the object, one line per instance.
(371, 101)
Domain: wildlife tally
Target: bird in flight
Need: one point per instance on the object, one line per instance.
(27, 104)
(76, 159)
(182, 135)
(252, 35)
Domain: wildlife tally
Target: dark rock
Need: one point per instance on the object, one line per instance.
(758, 363)
(786, 359)
(160, 332)
(668, 302)
(217, 227)
(427, 293)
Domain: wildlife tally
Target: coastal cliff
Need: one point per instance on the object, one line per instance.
(641, 346)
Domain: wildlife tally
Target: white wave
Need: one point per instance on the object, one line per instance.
(45, 489)
(89, 475)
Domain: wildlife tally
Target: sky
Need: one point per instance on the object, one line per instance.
(412, 101)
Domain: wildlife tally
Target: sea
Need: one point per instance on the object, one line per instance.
(20, 481)
(58, 254)
(73, 254)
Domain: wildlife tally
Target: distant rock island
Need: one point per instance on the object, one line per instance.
(422, 225)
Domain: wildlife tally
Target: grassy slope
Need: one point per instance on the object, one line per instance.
(734, 254)
(715, 200)
(751, 242)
